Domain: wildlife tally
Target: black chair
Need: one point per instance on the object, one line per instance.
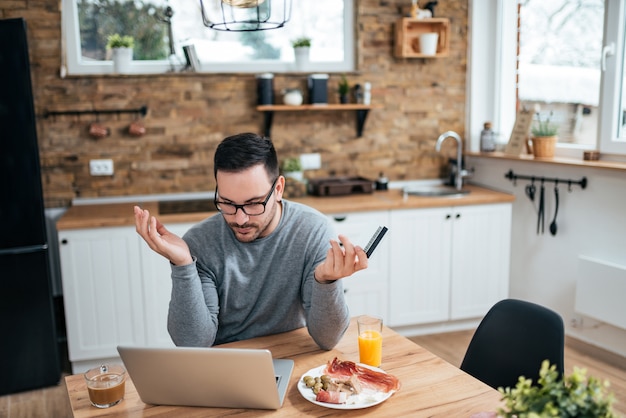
(512, 340)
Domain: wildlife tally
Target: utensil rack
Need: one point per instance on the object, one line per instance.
(143, 110)
(514, 177)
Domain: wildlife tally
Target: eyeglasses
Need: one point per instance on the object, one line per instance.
(250, 209)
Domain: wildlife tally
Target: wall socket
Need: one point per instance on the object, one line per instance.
(311, 161)
(576, 321)
(101, 167)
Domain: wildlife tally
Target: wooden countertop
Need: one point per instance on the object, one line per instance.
(121, 214)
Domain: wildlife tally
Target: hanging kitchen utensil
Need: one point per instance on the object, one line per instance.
(556, 208)
(530, 191)
(540, 215)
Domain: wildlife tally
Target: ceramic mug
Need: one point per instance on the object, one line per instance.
(97, 130)
(428, 43)
(292, 97)
(137, 128)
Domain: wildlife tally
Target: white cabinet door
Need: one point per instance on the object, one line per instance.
(449, 263)
(366, 290)
(158, 289)
(419, 285)
(102, 289)
(480, 259)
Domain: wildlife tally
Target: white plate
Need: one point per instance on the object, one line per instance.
(365, 399)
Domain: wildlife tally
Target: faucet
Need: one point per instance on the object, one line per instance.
(460, 172)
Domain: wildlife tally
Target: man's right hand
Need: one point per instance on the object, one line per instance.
(161, 240)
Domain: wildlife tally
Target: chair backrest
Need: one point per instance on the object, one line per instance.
(512, 340)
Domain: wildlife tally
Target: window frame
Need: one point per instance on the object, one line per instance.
(492, 72)
(611, 86)
(73, 64)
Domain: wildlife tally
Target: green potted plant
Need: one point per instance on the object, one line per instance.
(301, 42)
(121, 48)
(544, 136)
(556, 396)
(301, 47)
(292, 168)
(344, 89)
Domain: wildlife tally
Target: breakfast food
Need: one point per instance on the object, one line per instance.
(331, 396)
(344, 382)
(367, 377)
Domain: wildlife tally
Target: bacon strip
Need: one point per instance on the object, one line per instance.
(331, 397)
(369, 378)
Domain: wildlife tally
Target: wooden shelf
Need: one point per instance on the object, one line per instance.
(360, 109)
(408, 31)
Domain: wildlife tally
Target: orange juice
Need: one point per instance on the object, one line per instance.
(371, 347)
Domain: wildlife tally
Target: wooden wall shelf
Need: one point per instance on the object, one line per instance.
(408, 31)
(360, 109)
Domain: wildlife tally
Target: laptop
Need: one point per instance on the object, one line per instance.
(208, 377)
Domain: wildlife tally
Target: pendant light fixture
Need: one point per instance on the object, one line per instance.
(245, 15)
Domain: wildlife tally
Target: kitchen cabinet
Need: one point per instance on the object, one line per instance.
(434, 266)
(103, 293)
(157, 280)
(448, 263)
(366, 291)
(116, 292)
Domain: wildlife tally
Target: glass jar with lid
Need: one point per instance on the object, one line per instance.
(487, 138)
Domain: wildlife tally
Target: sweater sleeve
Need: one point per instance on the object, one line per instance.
(328, 316)
(192, 319)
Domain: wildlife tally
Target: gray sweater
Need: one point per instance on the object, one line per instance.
(235, 291)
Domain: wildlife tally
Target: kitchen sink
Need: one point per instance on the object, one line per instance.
(169, 207)
(438, 190)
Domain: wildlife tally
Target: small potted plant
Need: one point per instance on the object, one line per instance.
(301, 47)
(301, 42)
(544, 136)
(295, 185)
(292, 168)
(556, 396)
(121, 48)
(344, 89)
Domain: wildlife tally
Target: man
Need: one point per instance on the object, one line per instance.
(263, 266)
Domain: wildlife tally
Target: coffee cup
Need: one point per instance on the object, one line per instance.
(106, 385)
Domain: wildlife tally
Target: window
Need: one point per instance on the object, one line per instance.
(560, 43)
(612, 132)
(584, 49)
(86, 23)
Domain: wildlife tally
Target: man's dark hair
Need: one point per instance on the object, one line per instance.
(239, 152)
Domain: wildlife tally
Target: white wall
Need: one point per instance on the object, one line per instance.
(590, 221)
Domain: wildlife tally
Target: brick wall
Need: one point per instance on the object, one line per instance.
(189, 114)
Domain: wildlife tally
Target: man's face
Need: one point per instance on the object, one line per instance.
(251, 186)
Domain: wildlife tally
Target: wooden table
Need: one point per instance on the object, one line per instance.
(431, 387)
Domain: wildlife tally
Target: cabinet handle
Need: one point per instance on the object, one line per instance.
(448, 216)
(340, 218)
(458, 215)
(64, 241)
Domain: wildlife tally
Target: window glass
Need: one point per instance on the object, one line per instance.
(151, 22)
(621, 58)
(560, 45)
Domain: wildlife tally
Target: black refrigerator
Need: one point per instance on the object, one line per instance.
(29, 356)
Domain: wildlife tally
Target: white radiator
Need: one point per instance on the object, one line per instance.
(600, 291)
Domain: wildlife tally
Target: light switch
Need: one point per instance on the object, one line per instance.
(311, 161)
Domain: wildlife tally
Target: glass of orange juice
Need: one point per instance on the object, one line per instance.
(370, 340)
